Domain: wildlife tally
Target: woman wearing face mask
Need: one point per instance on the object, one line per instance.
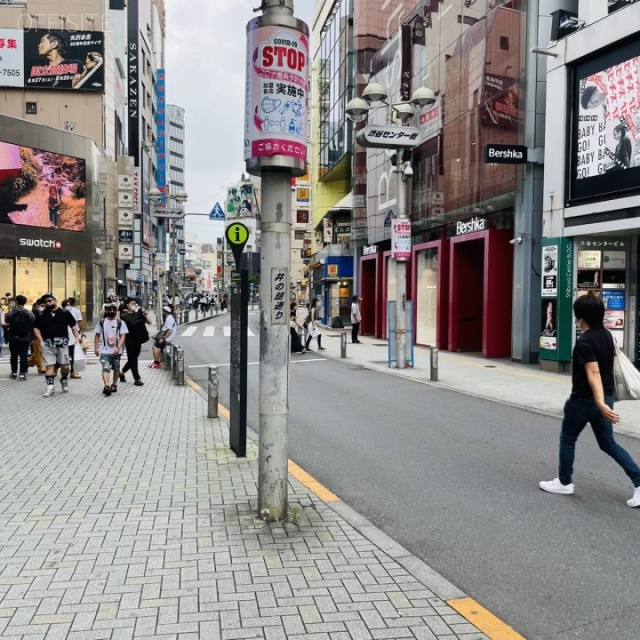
(136, 319)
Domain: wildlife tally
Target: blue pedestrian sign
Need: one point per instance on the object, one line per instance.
(216, 213)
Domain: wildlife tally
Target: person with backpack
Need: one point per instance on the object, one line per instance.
(110, 334)
(18, 324)
(136, 320)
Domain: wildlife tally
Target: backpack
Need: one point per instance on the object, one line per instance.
(118, 327)
(20, 325)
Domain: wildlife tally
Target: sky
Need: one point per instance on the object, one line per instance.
(205, 66)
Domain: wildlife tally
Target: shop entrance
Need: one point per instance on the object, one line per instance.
(368, 287)
(468, 294)
(480, 285)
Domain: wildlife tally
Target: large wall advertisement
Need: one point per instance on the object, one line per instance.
(42, 189)
(40, 59)
(605, 150)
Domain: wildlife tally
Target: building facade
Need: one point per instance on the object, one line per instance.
(592, 164)
(470, 288)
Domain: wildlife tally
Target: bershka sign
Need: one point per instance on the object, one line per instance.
(39, 242)
(475, 224)
(505, 154)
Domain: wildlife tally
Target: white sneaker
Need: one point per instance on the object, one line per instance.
(555, 486)
(49, 392)
(635, 500)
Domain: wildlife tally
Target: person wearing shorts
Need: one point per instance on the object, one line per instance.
(166, 335)
(108, 341)
(51, 330)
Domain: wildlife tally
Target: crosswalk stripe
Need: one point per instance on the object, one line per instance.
(227, 331)
(209, 331)
(189, 331)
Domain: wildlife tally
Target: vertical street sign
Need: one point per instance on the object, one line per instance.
(237, 235)
(238, 363)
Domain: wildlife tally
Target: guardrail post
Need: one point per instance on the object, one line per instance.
(433, 353)
(343, 344)
(180, 366)
(212, 393)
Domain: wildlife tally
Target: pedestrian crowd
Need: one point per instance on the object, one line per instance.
(49, 337)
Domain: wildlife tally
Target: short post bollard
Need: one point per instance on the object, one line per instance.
(180, 366)
(174, 362)
(212, 395)
(343, 344)
(196, 314)
(163, 358)
(167, 356)
(433, 352)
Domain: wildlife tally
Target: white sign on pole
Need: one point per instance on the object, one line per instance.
(125, 217)
(125, 183)
(125, 199)
(125, 252)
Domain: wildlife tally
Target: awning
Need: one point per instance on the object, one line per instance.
(345, 204)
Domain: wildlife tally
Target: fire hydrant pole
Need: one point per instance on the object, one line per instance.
(401, 273)
(278, 48)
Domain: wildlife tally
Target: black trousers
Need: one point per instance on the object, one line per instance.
(19, 350)
(355, 327)
(133, 353)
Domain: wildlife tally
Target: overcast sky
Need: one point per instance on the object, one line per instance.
(205, 64)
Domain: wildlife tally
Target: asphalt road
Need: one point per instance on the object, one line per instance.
(454, 479)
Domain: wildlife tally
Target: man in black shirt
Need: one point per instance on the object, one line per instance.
(51, 329)
(591, 399)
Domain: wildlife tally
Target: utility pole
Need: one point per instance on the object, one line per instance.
(276, 149)
(401, 272)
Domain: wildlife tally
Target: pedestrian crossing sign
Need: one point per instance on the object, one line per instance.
(216, 213)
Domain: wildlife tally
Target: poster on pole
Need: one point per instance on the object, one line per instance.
(401, 239)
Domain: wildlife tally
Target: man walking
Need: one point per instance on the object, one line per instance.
(164, 336)
(51, 330)
(77, 314)
(19, 324)
(356, 318)
(108, 341)
(136, 320)
(591, 399)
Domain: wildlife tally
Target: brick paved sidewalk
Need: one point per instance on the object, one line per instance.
(127, 517)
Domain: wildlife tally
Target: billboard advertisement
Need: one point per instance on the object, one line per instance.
(41, 59)
(501, 101)
(605, 151)
(42, 189)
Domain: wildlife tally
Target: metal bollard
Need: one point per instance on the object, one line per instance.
(212, 393)
(343, 344)
(196, 314)
(167, 359)
(433, 352)
(174, 362)
(180, 366)
(163, 358)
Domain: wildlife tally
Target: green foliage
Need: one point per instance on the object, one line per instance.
(79, 189)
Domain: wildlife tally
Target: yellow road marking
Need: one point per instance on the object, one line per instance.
(484, 620)
(311, 483)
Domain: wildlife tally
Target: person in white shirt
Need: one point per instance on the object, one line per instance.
(108, 342)
(166, 335)
(70, 306)
(356, 318)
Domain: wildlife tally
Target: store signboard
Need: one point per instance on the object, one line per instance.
(550, 271)
(401, 239)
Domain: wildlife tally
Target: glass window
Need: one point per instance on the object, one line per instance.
(58, 278)
(6, 276)
(32, 278)
(427, 297)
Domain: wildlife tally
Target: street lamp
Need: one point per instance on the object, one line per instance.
(396, 134)
(181, 197)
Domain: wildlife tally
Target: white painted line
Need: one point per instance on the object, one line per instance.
(227, 331)
(209, 331)
(189, 331)
(215, 364)
(250, 333)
